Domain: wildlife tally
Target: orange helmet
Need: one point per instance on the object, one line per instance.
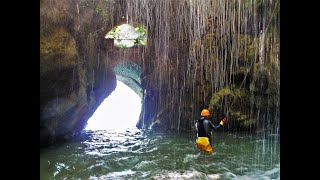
(205, 112)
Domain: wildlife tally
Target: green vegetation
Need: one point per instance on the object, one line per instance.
(57, 49)
(227, 91)
(126, 36)
(142, 38)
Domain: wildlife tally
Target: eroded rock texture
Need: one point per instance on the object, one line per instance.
(220, 55)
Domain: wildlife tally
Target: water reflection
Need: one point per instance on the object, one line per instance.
(104, 142)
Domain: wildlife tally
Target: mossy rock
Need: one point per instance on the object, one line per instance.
(57, 50)
(247, 46)
(242, 118)
(227, 91)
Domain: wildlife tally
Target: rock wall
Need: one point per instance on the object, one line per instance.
(198, 55)
(76, 73)
(220, 55)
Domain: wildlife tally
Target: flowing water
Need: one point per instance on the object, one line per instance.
(137, 154)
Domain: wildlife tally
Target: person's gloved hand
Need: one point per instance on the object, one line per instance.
(223, 121)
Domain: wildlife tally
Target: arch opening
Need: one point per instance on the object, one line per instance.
(119, 111)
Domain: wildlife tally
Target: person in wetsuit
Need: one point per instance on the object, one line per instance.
(203, 129)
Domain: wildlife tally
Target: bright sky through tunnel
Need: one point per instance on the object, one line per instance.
(120, 110)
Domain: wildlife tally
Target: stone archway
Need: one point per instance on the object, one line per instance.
(77, 64)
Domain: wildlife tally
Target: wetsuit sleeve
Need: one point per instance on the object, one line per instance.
(196, 127)
(213, 126)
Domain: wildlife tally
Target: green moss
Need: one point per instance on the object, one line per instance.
(115, 34)
(249, 4)
(55, 12)
(242, 118)
(57, 49)
(59, 41)
(248, 122)
(209, 40)
(247, 43)
(142, 39)
(227, 91)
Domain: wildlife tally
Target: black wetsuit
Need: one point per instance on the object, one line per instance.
(204, 127)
